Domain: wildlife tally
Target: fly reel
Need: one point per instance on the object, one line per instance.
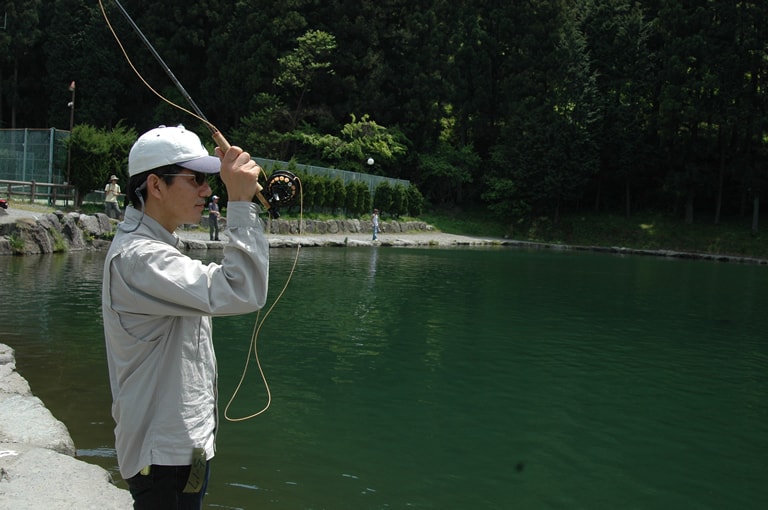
(281, 190)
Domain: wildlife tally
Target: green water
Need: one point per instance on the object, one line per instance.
(452, 379)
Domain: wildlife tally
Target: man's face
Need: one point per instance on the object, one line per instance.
(183, 198)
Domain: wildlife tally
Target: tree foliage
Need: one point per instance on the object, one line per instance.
(527, 108)
(97, 154)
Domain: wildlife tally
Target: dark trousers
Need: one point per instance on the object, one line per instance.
(214, 227)
(162, 489)
(112, 209)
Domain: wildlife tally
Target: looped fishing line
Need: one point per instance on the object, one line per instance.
(257, 327)
(257, 324)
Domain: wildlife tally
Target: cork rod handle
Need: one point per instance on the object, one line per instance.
(224, 146)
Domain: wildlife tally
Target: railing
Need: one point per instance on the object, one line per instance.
(40, 191)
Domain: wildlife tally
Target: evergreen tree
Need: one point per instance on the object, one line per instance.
(617, 32)
(20, 68)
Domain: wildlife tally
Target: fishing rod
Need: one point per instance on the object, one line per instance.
(281, 188)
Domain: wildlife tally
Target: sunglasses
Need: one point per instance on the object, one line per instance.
(200, 178)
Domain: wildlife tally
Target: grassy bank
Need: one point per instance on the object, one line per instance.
(732, 236)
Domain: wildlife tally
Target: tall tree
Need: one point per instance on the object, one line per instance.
(299, 70)
(617, 32)
(18, 71)
(79, 48)
(752, 104)
(243, 62)
(547, 153)
(685, 87)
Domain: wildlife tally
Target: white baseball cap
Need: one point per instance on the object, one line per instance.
(171, 146)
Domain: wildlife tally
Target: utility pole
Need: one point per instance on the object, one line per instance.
(71, 125)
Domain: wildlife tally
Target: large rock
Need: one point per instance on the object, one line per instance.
(37, 465)
(32, 237)
(10, 381)
(34, 478)
(54, 232)
(24, 419)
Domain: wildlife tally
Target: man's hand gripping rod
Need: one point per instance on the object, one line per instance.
(224, 146)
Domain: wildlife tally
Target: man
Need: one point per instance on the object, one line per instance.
(375, 223)
(111, 192)
(213, 218)
(157, 305)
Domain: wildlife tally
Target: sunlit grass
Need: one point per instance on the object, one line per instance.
(470, 223)
(732, 236)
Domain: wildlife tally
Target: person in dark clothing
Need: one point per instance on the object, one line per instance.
(214, 213)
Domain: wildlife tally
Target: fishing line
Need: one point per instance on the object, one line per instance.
(254, 337)
(198, 114)
(281, 189)
(274, 193)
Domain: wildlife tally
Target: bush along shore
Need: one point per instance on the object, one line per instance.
(22, 234)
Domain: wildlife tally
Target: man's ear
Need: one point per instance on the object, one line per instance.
(155, 186)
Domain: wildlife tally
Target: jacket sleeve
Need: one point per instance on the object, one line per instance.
(157, 279)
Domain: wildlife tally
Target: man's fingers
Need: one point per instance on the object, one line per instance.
(232, 155)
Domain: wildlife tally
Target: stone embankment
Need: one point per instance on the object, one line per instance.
(38, 468)
(27, 234)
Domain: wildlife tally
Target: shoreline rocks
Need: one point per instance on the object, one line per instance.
(32, 234)
(38, 468)
(24, 233)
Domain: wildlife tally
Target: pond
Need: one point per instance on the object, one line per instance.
(456, 378)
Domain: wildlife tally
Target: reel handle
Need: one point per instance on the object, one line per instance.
(224, 146)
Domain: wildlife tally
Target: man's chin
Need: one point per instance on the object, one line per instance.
(193, 219)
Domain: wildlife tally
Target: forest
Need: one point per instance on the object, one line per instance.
(520, 108)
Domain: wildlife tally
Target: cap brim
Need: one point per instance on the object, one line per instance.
(205, 164)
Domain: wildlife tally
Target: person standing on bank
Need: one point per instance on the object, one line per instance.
(157, 305)
(375, 223)
(213, 217)
(111, 192)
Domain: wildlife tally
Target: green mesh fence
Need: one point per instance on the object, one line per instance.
(33, 155)
(28, 155)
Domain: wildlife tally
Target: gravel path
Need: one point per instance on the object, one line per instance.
(10, 215)
(431, 238)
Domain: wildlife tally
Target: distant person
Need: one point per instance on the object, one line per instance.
(111, 192)
(213, 217)
(375, 223)
(157, 304)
